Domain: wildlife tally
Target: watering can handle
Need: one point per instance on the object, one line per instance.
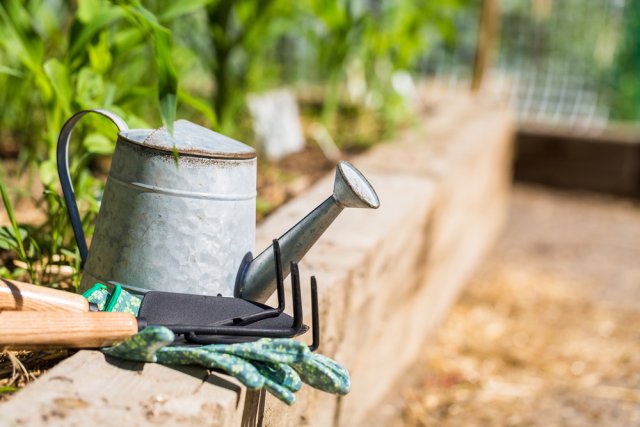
(65, 177)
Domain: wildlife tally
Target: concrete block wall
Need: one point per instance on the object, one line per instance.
(386, 280)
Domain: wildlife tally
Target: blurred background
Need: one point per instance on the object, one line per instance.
(548, 334)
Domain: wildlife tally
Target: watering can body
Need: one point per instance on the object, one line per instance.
(178, 214)
(166, 222)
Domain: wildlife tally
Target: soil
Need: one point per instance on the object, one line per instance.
(548, 332)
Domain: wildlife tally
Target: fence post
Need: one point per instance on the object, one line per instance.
(487, 34)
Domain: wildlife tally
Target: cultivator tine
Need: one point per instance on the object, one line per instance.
(315, 315)
(279, 275)
(274, 312)
(204, 334)
(297, 297)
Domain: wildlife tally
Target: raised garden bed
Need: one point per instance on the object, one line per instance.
(606, 161)
(386, 281)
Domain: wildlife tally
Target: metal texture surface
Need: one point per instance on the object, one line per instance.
(352, 190)
(62, 158)
(163, 225)
(257, 280)
(189, 138)
(167, 227)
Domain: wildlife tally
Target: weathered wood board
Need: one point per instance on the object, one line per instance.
(607, 162)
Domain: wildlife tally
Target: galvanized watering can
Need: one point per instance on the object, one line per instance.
(189, 226)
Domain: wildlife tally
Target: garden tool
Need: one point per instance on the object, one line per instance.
(16, 295)
(279, 365)
(197, 318)
(34, 317)
(178, 214)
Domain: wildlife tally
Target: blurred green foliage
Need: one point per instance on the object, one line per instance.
(155, 59)
(625, 84)
(56, 61)
(596, 42)
(58, 57)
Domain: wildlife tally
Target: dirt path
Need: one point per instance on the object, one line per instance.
(549, 332)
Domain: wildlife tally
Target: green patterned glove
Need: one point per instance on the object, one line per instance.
(324, 374)
(279, 365)
(152, 345)
(118, 301)
(314, 369)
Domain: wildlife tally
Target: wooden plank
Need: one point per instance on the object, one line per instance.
(91, 389)
(608, 162)
(616, 133)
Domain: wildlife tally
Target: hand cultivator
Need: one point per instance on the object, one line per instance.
(34, 316)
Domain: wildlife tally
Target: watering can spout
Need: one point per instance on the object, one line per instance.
(257, 278)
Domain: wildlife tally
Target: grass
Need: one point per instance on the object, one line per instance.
(11, 238)
(18, 368)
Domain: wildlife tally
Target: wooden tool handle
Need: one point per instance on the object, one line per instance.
(32, 329)
(23, 296)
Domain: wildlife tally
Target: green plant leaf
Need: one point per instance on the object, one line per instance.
(100, 55)
(167, 78)
(96, 143)
(17, 234)
(203, 107)
(82, 34)
(7, 241)
(90, 88)
(58, 75)
(89, 9)
(29, 50)
(69, 254)
(48, 172)
(10, 71)
(162, 44)
(182, 7)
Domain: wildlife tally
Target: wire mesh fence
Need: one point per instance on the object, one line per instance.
(574, 63)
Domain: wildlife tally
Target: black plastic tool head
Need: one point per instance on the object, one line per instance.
(179, 312)
(168, 308)
(203, 319)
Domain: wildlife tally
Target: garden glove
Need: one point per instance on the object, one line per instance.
(275, 364)
(152, 345)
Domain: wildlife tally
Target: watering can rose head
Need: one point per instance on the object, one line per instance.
(189, 225)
